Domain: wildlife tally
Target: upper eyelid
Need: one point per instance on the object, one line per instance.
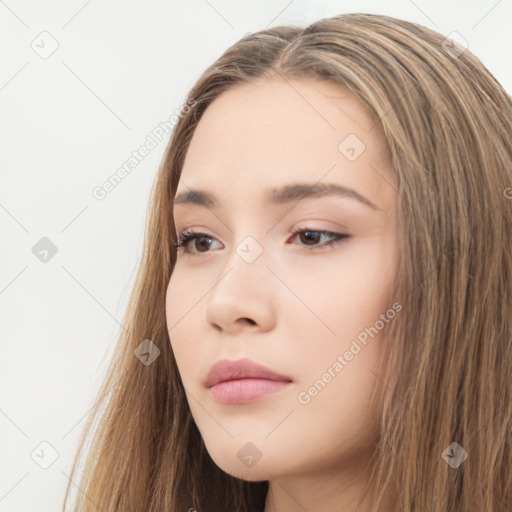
(339, 226)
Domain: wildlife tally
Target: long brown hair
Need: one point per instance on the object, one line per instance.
(448, 356)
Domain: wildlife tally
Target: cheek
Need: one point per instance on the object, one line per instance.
(348, 300)
(180, 311)
(344, 295)
(183, 297)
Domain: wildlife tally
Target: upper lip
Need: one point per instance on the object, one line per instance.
(241, 369)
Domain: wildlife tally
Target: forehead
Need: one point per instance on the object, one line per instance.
(270, 132)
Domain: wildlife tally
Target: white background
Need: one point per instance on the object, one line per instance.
(68, 122)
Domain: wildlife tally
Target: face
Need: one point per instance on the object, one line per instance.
(291, 265)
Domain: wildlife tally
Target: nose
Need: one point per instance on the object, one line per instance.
(242, 298)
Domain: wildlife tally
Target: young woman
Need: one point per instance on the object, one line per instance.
(322, 316)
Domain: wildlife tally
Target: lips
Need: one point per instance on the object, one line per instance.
(243, 381)
(226, 370)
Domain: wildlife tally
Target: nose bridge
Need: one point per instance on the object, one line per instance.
(242, 290)
(245, 267)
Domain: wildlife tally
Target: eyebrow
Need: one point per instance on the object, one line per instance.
(278, 196)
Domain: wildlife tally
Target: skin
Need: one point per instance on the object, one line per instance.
(296, 308)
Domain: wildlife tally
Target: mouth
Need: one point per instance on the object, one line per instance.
(240, 391)
(242, 381)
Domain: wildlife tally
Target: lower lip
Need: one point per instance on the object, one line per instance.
(245, 390)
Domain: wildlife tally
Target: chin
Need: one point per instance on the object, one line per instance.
(237, 463)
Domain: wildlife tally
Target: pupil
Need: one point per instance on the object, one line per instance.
(311, 237)
(205, 246)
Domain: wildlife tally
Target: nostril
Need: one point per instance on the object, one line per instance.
(252, 322)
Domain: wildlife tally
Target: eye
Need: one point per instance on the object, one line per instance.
(312, 236)
(187, 236)
(309, 236)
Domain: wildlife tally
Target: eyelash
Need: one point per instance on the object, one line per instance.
(188, 236)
